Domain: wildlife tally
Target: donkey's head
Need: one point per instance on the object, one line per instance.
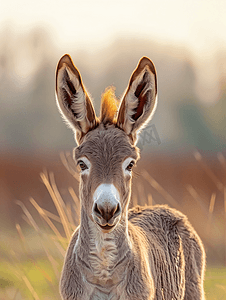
(106, 151)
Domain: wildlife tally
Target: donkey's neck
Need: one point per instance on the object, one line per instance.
(102, 256)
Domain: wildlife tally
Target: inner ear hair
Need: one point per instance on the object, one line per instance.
(68, 83)
(142, 92)
(69, 90)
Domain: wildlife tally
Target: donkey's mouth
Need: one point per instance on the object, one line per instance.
(106, 227)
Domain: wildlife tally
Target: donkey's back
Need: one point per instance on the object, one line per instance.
(175, 251)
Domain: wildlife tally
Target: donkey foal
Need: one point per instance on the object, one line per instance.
(144, 253)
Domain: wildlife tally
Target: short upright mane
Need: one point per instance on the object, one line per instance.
(109, 106)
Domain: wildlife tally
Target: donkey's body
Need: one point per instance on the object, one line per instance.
(144, 253)
(161, 259)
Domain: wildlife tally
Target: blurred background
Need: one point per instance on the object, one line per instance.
(182, 160)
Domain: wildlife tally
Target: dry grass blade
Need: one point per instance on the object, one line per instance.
(60, 248)
(74, 197)
(21, 275)
(150, 200)
(209, 172)
(51, 215)
(141, 194)
(62, 205)
(58, 203)
(45, 217)
(69, 214)
(55, 190)
(212, 203)
(25, 218)
(211, 209)
(18, 228)
(30, 287)
(31, 259)
(69, 165)
(76, 203)
(160, 189)
(28, 215)
(31, 220)
(196, 197)
(22, 239)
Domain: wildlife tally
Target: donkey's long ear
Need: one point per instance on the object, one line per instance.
(72, 98)
(140, 99)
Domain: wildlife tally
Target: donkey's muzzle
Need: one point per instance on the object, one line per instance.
(106, 206)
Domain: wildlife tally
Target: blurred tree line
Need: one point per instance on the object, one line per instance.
(29, 121)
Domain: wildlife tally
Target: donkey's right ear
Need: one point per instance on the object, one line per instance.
(72, 99)
(139, 102)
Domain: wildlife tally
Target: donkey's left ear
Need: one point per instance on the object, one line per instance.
(73, 101)
(139, 102)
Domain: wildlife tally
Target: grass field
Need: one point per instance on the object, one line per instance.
(32, 255)
(215, 283)
(40, 281)
(38, 277)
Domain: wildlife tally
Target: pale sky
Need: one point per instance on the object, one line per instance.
(90, 25)
(199, 24)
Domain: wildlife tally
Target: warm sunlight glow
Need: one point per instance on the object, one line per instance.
(93, 24)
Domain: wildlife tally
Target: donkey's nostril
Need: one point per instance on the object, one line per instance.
(118, 210)
(97, 210)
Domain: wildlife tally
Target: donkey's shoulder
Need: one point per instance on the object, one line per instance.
(158, 217)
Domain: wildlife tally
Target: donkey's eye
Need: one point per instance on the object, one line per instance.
(82, 165)
(130, 165)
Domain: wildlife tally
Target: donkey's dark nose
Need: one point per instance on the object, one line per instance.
(106, 206)
(107, 210)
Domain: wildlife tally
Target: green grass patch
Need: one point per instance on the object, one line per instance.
(45, 282)
(215, 284)
(33, 280)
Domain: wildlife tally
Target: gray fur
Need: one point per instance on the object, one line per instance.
(152, 252)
